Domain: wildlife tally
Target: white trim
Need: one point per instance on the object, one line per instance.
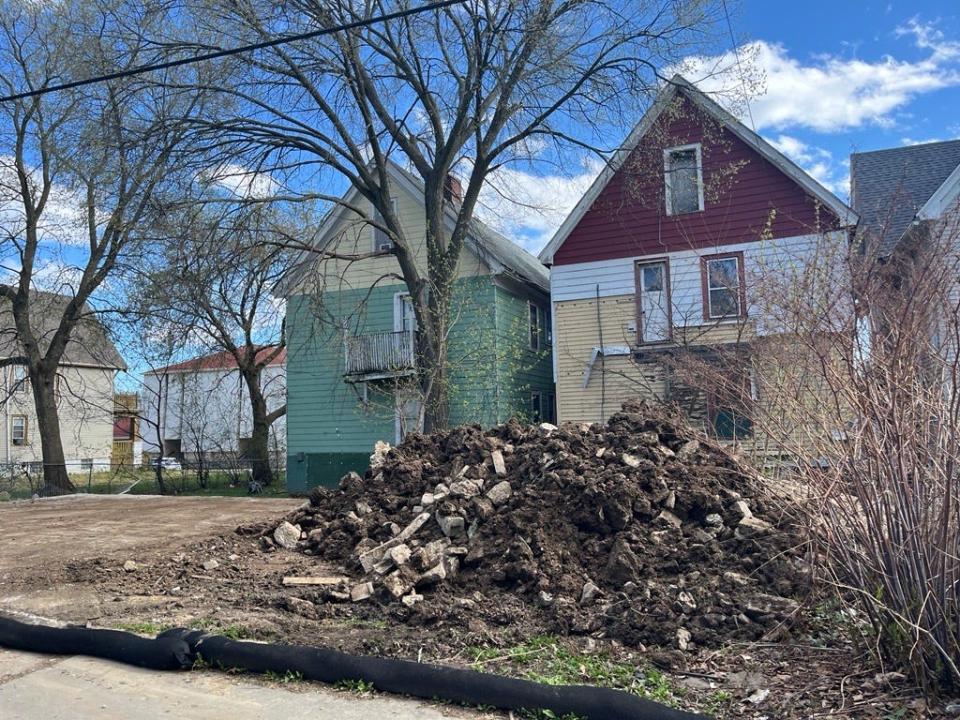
(667, 185)
(378, 218)
(944, 199)
(677, 83)
(398, 311)
(740, 292)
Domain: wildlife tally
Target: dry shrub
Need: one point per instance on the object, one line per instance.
(858, 382)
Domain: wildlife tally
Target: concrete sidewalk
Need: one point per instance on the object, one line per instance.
(39, 687)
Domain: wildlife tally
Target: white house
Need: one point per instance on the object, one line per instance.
(84, 388)
(202, 405)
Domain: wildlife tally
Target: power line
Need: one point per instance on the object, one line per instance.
(736, 54)
(235, 51)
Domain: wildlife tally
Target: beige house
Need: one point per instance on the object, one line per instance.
(85, 381)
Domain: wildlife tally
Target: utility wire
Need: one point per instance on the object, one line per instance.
(736, 54)
(235, 51)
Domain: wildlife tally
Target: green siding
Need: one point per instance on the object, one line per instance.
(521, 371)
(329, 428)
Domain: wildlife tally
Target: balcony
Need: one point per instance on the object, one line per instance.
(375, 356)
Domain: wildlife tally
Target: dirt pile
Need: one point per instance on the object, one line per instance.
(636, 530)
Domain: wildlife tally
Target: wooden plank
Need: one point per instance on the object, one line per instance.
(315, 580)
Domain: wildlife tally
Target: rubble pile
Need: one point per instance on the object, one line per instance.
(635, 530)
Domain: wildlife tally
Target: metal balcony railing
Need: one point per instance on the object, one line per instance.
(379, 355)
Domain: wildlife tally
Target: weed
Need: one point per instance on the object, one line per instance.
(290, 676)
(360, 687)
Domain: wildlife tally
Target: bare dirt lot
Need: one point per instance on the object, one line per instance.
(65, 559)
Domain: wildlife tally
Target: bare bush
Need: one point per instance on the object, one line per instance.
(855, 379)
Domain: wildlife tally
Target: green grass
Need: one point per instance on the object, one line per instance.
(290, 676)
(143, 481)
(143, 628)
(233, 631)
(545, 659)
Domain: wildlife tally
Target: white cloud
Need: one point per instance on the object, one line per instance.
(831, 93)
(528, 207)
(241, 181)
(817, 161)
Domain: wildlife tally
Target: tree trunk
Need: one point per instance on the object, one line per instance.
(258, 451)
(56, 481)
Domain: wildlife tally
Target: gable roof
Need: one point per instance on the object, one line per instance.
(89, 344)
(501, 254)
(223, 360)
(678, 85)
(891, 188)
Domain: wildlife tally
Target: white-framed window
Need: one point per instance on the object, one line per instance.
(407, 416)
(534, 326)
(18, 429)
(536, 407)
(19, 379)
(723, 289)
(382, 240)
(683, 179)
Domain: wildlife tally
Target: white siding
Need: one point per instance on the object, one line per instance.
(208, 410)
(616, 277)
(85, 414)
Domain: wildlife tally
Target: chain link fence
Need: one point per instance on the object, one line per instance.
(24, 480)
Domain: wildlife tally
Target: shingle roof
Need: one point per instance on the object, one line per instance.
(223, 360)
(888, 187)
(89, 343)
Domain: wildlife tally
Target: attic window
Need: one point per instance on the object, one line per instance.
(683, 179)
(381, 239)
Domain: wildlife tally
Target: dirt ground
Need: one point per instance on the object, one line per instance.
(64, 559)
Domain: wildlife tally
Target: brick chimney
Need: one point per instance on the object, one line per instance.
(452, 189)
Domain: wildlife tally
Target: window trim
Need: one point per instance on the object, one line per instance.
(378, 218)
(667, 153)
(20, 385)
(26, 436)
(638, 301)
(705, 285)
(536, 396)
(533, 315)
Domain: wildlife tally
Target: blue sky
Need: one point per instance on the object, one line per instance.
(824, 79)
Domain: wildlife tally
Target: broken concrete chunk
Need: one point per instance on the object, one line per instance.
(210, 564)
(411, 599)
(440, 492)
(683, 638)
(301, 607)
(741, 510)
(380, 450)
(685, 602)
(464, 488)
(589, 593)
(752, 527)
(287, 535)
(668, 518)
(714, 520)
(400, 554)
(631, 460)
(451, 525)
(499, 466)
(434, 575)
(361, 591)
(547, 428)
(130, 566)
(500, 493)
(397, 584)
(427, 499)
(371, 557)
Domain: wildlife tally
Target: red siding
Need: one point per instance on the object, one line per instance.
(629, 217)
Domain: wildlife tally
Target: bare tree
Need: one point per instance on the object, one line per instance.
(213, 284)
(460, 91)
(82, 172)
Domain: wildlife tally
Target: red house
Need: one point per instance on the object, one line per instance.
(664, 252)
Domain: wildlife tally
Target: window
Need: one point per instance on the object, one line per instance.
(723, 292)
(683, 180)
(86, 464)
(381, 239)
(550, 411)
(123, 428)
(18, 429)
(534, 327)
(536, 407)
(407, 416)
(548, 327)
(20, 379)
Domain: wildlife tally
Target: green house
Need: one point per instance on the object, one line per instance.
(350, 339)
